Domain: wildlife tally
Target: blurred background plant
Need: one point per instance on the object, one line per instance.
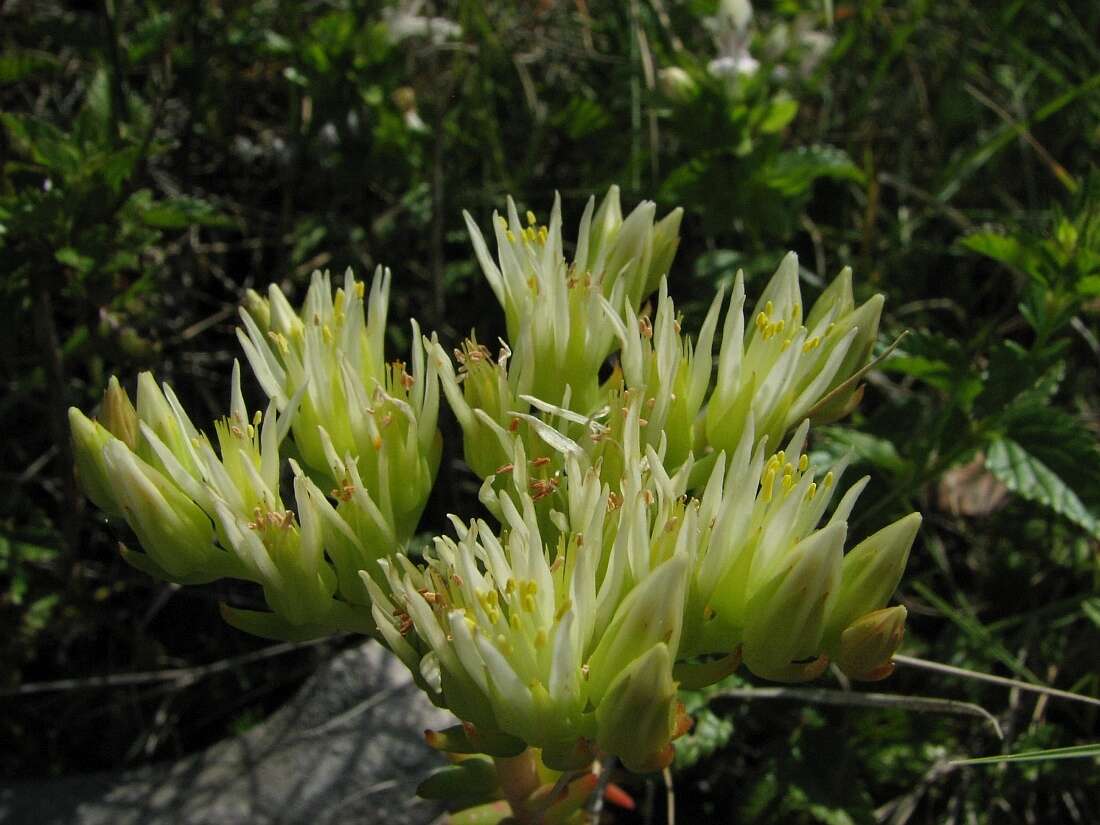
(161, 158)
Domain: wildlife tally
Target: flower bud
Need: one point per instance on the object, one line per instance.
(870, 573)
(676, 85)
(155, 411)
(786, 617)
(651, 614)
(172, 529)
(868, 643)
(637, 717)
(89, 439)
(666, 240)
(118, 414)
(259, 308)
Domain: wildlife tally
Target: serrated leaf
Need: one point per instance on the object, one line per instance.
(1027, 476)
(1010, 250)
(792, 173)
(880, 452)
(1012, 371)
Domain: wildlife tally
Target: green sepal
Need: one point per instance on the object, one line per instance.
(469, 739)
(471, 780)
(697, 675)
(271, 625)
(145, 563)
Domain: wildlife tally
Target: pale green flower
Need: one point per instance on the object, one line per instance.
(328, 358)
(202, 513)
(553, 308)
(784, 369)
(529, 630)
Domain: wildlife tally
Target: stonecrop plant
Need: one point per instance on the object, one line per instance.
(650, 530)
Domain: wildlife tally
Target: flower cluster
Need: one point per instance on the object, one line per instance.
(653, 524)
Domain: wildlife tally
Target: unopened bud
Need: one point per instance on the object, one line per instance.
(652, 613)
(89, 439)
(786, 617)
(118, 414)
(866, 646)
(172, 529)
(638, 716)
(870, 574)
(677, 85)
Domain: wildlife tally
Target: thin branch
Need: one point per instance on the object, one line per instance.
(913, 661)
(183, 676)
(824, 696)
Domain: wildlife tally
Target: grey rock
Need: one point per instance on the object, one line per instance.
(348, 748)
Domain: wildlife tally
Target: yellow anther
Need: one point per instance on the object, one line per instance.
(781, 457)
(540, 639)
(769, 308)
(544, 235)
(786, 344)
(788, 468)
(811, 491)
(280, 341)
(766, 486)
(326, 333)
(528, 604)
(779, 326)
(360, 288)
(257, 418)
(811, 344)
(796, 311)
(563, 608)
(510, 586)
(530, 218)
(510, 235)
(513, 621)
(761, 321)
(503, 223)
(829, 479)
(788, 482)
(803, 463)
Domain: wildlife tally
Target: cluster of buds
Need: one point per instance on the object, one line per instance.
(785, 369)
(648, 533)
(200, 513)
(554, 308)
(327, 360)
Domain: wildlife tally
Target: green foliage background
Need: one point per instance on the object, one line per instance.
(160, 158)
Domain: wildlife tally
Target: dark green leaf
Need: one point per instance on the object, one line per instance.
(1030, 478)
(180, 213)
